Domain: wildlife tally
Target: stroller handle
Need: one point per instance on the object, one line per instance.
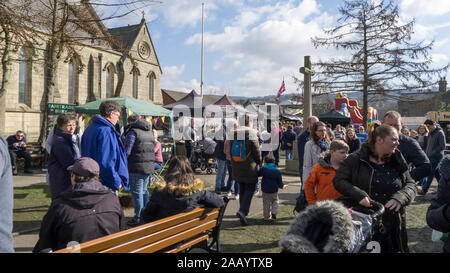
(379, 209)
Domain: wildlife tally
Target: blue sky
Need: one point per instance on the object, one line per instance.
(250, 45)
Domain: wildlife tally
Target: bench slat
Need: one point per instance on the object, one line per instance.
(161, 235)
(176, 238)
(192, 242)
(124, 236)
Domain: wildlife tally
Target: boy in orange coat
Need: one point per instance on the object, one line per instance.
(319, 185)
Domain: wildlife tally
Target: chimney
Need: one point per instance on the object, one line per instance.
(443, 85)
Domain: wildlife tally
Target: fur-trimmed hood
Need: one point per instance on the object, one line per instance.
(182, 189)
(304, 228)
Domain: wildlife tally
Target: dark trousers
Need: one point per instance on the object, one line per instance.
(21, 154)
(246, 191)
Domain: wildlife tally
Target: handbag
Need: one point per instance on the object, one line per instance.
(300, 202)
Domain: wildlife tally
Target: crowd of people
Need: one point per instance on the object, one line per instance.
(388, 164)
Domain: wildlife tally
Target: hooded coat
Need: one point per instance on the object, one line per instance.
(319, 185)
(102, 142)
(168, 200)
(325, 227)
(84, 212)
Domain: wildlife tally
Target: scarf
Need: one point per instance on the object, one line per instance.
(75, 147)
(271, 166)
(323, 145)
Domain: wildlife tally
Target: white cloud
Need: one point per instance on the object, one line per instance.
(415, 8)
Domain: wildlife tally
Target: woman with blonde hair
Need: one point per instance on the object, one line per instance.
(422, 136)
(378, 172)
(179, 192)
(352, 140)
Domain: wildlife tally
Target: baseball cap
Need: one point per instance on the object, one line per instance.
(85, 166)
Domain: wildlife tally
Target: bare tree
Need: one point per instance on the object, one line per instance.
(382, 57)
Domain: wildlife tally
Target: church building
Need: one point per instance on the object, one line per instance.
(89, 71)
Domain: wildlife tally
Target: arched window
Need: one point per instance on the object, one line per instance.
(135, 83)
(25, 70)
(151, 86)
(110, 70)
(73, 81)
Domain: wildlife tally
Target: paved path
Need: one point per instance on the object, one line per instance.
(25, 241)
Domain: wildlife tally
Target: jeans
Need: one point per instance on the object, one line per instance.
(221, 173)
(231, 181)
(158, 165)
(434, 161)
(245, 196)
(289, 154)
(138, 188)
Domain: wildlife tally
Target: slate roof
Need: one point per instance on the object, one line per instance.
(125, 36)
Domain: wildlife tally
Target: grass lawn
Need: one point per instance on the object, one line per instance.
(259, 236)
(30, 205)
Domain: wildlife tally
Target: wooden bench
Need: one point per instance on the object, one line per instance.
(198, 228)
(37, 153)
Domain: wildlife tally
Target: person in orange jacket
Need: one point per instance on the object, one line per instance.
(319, 185)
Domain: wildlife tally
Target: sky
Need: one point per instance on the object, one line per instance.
(250, 46)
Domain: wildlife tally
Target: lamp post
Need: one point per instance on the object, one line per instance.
(307, 101)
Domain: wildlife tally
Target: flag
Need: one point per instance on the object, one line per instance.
(281, 90)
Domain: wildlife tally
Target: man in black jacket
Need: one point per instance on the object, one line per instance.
(409, 148)
(140, 150)
(86, 211)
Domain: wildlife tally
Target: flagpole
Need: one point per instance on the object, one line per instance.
(201, 72)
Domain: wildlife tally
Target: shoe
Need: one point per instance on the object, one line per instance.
(236, 197)
(274, 216)
(229, 195)
(133, 223)
(256, 193)
(242, 218)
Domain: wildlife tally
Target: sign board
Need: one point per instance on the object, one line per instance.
(59, 108)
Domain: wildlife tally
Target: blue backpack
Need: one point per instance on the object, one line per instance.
(238, 151)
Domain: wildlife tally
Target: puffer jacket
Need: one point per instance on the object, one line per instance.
(319, 185)
(84, 212)
(167, 200)
(438, 213)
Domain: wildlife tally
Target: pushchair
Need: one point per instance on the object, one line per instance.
(167, 151)
(333, 227)
(203, 159)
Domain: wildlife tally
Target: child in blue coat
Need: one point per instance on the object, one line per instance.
(271, 182)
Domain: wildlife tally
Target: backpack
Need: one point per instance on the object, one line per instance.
(238, 151)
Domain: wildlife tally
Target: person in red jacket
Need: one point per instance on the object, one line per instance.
(319, 185)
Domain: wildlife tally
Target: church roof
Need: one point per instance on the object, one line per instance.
(125, 36)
